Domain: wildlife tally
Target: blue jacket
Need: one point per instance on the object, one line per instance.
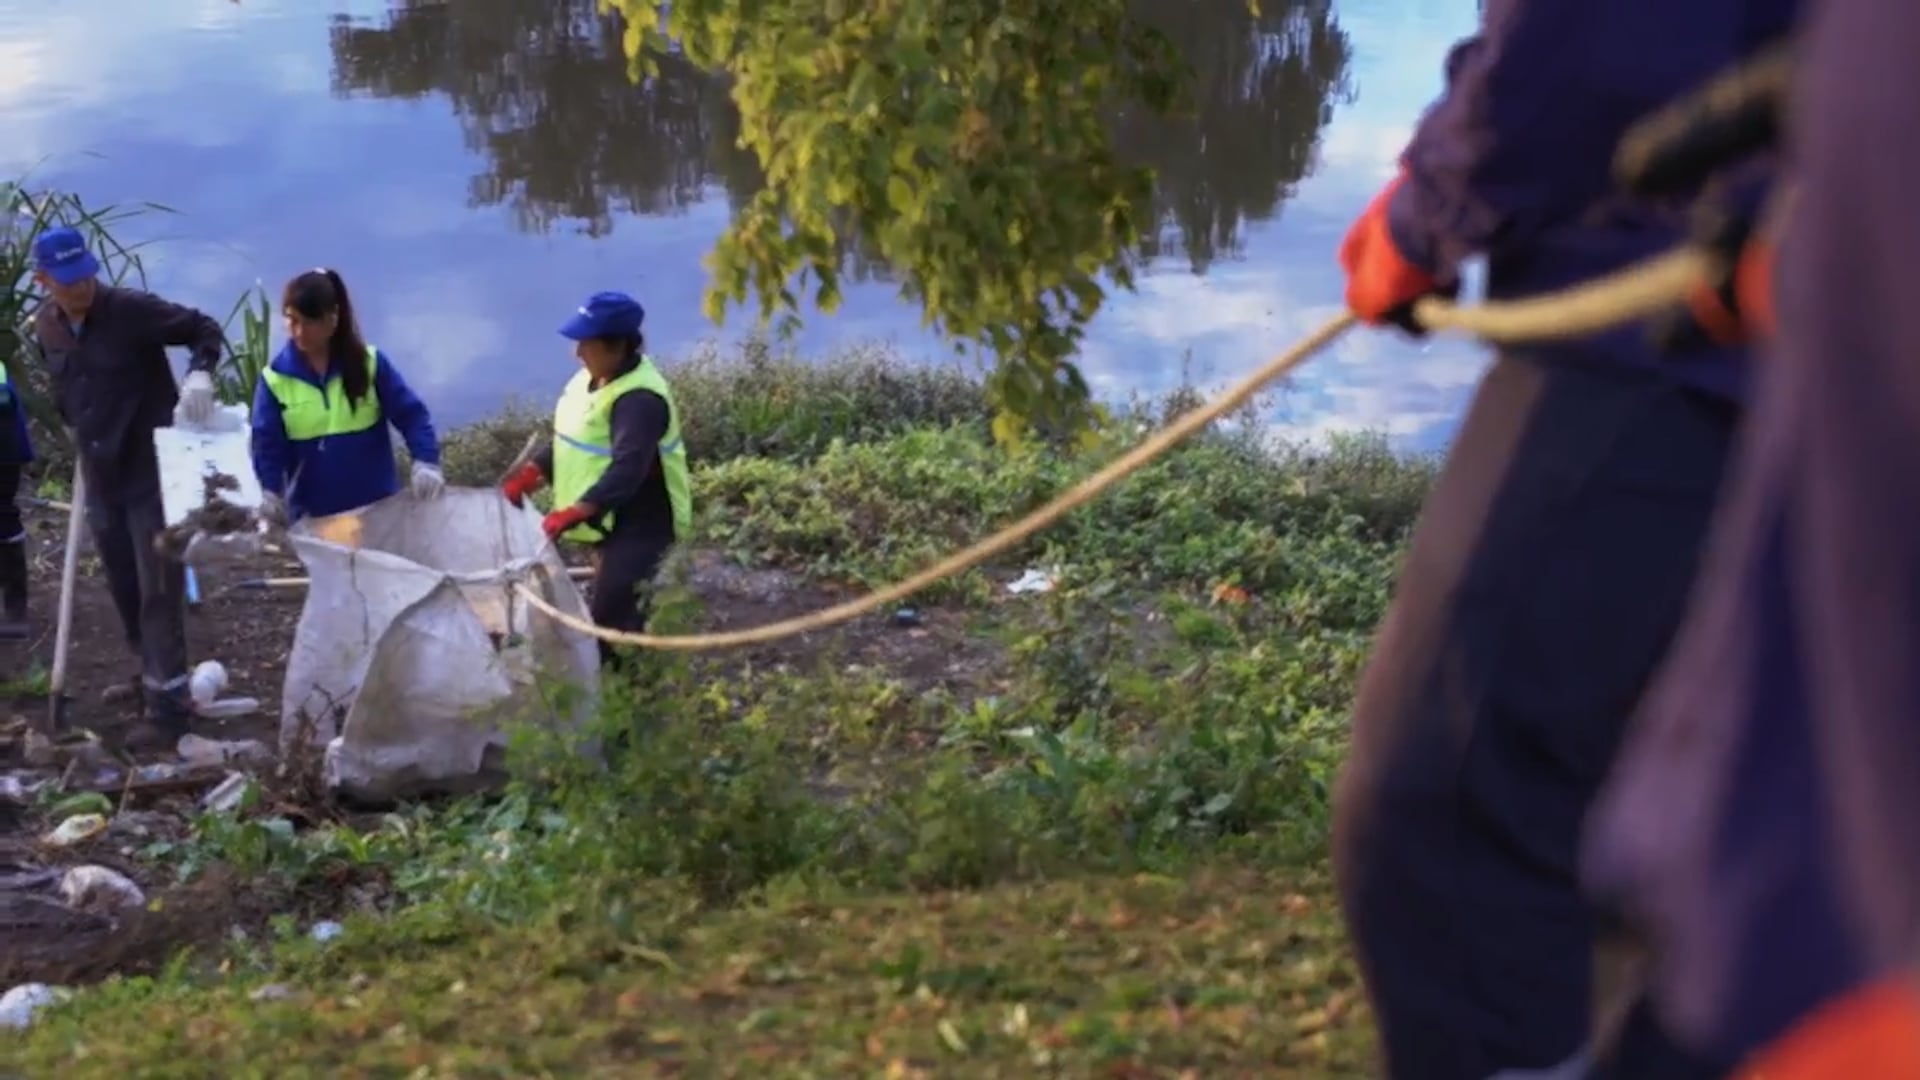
(337, 473)
(20, 450)
(1515, 159)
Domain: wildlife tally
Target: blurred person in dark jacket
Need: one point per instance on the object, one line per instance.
(1555, 552)
(1758, 829)
(105, 351)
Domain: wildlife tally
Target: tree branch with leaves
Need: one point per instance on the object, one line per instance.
(964, 142)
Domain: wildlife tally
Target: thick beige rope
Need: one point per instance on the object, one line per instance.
(1631, 294)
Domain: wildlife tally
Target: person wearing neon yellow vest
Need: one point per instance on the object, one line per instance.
(321, 410)
(617, 463)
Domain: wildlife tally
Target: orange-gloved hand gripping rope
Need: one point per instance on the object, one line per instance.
(1381, 284)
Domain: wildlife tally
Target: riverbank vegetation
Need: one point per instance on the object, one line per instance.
(1077, 829)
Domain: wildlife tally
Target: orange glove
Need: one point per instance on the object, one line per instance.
(522, 482)
(561, 520)
(1741, 307)
(1381, 284)
(1871, 1034)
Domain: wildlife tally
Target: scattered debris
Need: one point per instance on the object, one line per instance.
(272, 992)
(96, 888)
(208, 679)
(18, 1005)
(229, 708)
(142, 824)
(1229, 593)
(326, 930)
(18, 878)
(1033, 581)
(19, 789)
(199, 750)
(907, 616)
(214, 517)
(229, 794)
(76, 830)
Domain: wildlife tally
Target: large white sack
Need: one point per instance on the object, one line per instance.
(414, 656)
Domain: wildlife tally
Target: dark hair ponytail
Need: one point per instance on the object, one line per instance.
(316, 294)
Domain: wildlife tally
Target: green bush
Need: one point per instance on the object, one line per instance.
(1220, 510)
(753, 402)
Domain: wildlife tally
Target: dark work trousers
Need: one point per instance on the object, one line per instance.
(148, 590)
(624, 566)
(1545, 579)
(12, 529)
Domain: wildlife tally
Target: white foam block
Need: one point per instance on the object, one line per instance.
(188, 454)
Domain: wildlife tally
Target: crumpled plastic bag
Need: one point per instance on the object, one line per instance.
(18, 1005)
(96, 888)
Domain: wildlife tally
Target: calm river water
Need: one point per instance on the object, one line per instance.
(475, 167)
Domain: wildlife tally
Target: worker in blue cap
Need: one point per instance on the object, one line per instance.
(616, 462)
(1556, 550)
(104, 349)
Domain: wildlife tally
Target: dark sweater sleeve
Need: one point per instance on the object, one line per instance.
(176, 325)
(639, 422)
(1522, 138)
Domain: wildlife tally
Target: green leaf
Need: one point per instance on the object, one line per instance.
(899, 195)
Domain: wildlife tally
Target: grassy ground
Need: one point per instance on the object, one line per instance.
(1078, 833)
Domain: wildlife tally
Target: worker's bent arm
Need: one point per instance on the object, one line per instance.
(405, 411)
(1523, 137)
(177, 325)
(639, 423)
(272, 453)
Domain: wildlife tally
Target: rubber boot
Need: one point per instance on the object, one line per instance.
(166, 715)
(13, 591)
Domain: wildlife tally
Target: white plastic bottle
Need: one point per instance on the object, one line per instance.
(208, 679)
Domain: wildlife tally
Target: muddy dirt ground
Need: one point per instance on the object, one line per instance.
(250, 629)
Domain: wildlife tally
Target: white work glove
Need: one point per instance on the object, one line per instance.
(273, 509)
(196, 399)
(427, 482)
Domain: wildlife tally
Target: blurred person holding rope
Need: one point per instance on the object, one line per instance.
(1758, 829)
(616, 461)
(1555, 553)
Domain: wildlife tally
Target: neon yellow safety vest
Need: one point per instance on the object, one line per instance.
(309, 412)
(583, 447)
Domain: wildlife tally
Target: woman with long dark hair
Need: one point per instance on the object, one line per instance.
(320, 414)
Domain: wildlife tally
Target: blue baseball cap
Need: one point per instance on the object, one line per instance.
(605, 314)
(61, 254)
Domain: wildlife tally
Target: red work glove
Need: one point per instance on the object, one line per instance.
(561, 520)
(1870, 1034)
(521, 483)
(1381, 284)
(1740, 308)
